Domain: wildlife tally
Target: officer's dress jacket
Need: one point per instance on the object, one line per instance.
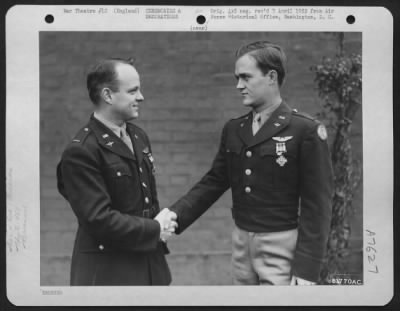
(113, 195)
(268, 196)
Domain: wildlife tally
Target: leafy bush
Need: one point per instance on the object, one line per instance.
(339, 83)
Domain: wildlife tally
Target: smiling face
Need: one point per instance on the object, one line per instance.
(125, 101)
(256, 87)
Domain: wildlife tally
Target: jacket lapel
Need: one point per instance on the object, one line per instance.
(279, 120)
(137, 142)
(245, 129)
(107, 139)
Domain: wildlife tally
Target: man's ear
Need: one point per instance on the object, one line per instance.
(273, 76)
(106, 95)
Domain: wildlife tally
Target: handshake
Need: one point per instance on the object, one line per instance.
(167, 221)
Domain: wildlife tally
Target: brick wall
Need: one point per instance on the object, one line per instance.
(189, 91)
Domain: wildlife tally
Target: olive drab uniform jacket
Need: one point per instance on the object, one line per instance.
(281, 179)
(112, 192)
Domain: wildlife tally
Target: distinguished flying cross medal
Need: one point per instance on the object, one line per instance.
(148, 153)
(150, 157)
(152, 162)
(281, 149)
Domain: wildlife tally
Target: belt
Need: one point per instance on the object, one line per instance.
(149, 212)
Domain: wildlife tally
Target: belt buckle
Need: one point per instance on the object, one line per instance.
(146, 213)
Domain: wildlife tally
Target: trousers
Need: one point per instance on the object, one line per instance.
(263, 258)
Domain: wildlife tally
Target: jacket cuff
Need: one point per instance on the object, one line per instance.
(152, 230)
(306, 268)
(179, 208)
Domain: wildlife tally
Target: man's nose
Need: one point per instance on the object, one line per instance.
(239, 84)
(140, 97)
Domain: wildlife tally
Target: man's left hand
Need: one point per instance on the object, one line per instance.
(298, 281)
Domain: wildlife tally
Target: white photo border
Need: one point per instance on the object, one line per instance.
(23, 24)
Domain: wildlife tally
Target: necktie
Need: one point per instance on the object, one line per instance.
(126, 139)
(256, 123)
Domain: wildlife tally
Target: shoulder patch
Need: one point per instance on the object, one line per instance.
(322, 133)
(81, 135)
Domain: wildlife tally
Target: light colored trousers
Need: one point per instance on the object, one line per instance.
(263, 258)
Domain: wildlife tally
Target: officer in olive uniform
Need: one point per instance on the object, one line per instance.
(107, 175)
(277, 163)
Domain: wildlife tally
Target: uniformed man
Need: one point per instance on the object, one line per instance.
(277, 163)
(107, 175)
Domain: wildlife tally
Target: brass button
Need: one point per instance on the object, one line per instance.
(248, 172)
(86, 129)
(146, 199)
(247, 189)
(140, 170)
(249, 154)
(144, 185)
(118, 173)
(101, 247)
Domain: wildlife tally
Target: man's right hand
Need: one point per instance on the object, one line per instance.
(167, 221)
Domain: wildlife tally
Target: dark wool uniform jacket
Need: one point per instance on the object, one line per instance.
(268, 196)
(113, 195)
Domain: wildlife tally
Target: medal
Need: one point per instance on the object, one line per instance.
(281, 160)
(281, 149)
(151, 159)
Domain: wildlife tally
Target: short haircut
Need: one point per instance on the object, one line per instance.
(103, 74)
(268, 56)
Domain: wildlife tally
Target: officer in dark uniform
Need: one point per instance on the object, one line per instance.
(277, 163)
(107, 175)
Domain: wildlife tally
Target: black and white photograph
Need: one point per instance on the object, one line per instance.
(289, 185)
(201, 160)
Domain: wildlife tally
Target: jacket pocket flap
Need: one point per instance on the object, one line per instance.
(268, 150)
(235, 148)
(118, 171)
